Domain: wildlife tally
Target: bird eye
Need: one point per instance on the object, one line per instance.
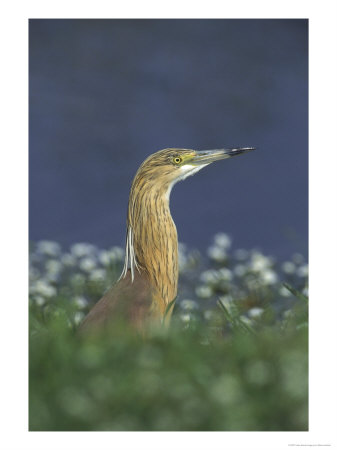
(177, 159)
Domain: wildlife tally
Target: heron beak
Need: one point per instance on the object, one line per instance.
(209, 156)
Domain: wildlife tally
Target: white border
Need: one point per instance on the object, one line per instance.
(323, 223)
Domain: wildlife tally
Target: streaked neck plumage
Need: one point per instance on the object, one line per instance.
(151, 242)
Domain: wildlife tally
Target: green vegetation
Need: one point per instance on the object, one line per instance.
(234, 358)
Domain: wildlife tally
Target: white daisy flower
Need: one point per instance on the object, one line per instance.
(68, 260)
(209, 314)
(185, 317)
(97, 275)
(298, 258)
(87, 264)
(43, 288)
(217, 253)
(203, 291)
(209, 276)
(288, 267)
(269, 277)
(303, 270)
(189, 304)
(259, 262)
(53, 266)
(82, 249)
(81, 301)
(78, 316)
(255, 312)
(225, 274)
(117, 253)
(49, 248)
(240, 270)
(222, 240)
(284, 291)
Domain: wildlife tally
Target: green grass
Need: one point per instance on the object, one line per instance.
(235, 361)
(184, 379)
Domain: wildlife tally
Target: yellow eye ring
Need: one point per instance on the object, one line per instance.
(177, 160)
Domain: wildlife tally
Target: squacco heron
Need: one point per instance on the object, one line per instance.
(148, 284)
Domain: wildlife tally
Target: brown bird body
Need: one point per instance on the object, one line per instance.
(128, 301)
(149, 281)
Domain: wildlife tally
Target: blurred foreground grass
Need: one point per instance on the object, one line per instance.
(234, 359)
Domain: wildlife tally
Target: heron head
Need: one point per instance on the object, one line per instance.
(168, 166)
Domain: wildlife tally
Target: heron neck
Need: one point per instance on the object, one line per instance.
(155, 241)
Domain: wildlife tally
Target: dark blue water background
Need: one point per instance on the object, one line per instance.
(104, 94)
